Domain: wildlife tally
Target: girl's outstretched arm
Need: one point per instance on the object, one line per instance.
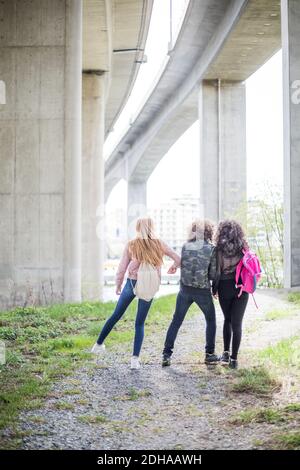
(174, 256)
(122, 268)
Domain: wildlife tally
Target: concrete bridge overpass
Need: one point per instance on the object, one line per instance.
(67, 68)
(220, 45)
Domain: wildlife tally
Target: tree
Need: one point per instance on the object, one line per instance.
(265, 233)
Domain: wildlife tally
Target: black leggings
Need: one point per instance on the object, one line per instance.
(233, 308)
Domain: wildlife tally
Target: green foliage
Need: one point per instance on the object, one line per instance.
(267, 415)
(264, 222)
(285, 353)
(294, 297)
(288, 441)
(64, 405)
(256, 380)
(92, 419)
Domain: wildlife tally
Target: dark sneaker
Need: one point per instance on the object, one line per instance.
(233, 364)
(211, 358)
(166, 361)
(225, 358)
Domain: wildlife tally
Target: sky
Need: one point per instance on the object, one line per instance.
(263, 124)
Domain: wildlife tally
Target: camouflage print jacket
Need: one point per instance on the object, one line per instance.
(198, 264)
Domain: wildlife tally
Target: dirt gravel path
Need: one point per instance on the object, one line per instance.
(186, 406)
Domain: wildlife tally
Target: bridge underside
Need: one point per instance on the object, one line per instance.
(234, 45)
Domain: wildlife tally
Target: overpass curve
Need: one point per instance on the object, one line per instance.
(228, 39)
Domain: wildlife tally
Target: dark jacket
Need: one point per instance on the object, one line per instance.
(198, 264)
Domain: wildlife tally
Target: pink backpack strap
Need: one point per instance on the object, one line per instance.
(237, 276)
(254, 301)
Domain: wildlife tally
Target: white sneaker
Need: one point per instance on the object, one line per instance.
(135, 363)
(98, 349)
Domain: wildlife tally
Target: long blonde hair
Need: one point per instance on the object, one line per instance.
(146, 247)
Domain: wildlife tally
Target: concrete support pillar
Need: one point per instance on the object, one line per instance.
(92, 186)
(290, 27)
(72, 202)
(136, 204)
(222, 117)
(40, 152)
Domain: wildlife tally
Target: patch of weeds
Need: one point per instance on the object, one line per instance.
(288, 441)
(119, 426)
(294, 297)
(8, 333)
(92, 419)
(285, 353)
(134, 394)
(10, 443)
(279, 314)
(255, 380)
(37, 419)
(14, 400)
(73, 382)
(81, 402)
(14, 358)
(202, 385)
(143, 416)
(34, 404)
(257, 442)
(292, 407)
(267, 415)
(72, 391)
(64, 405)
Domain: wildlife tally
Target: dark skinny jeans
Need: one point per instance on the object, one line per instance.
(233, 308)
(203, 298)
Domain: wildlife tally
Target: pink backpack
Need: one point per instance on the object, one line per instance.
(249, 271)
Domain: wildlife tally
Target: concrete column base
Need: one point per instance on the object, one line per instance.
(40, 154)
(93, 186)
(290, 22)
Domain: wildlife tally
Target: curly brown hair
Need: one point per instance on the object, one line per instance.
(201, 229)
(230, 237)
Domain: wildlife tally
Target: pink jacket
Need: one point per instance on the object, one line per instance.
(132, 265)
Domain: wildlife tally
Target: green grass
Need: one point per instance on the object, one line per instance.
(294, 297)
(267, 415)
(89, 419)
(255, 380)
(288, 441)
(283, 354)
(133, 395)
(279, 314)
(44, 344)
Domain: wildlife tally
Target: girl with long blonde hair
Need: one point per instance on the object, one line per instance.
(144, 248)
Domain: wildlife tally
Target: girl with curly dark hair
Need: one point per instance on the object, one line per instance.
(230, 242)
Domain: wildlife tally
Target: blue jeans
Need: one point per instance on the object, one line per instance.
(184, 300)
(125, 299)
